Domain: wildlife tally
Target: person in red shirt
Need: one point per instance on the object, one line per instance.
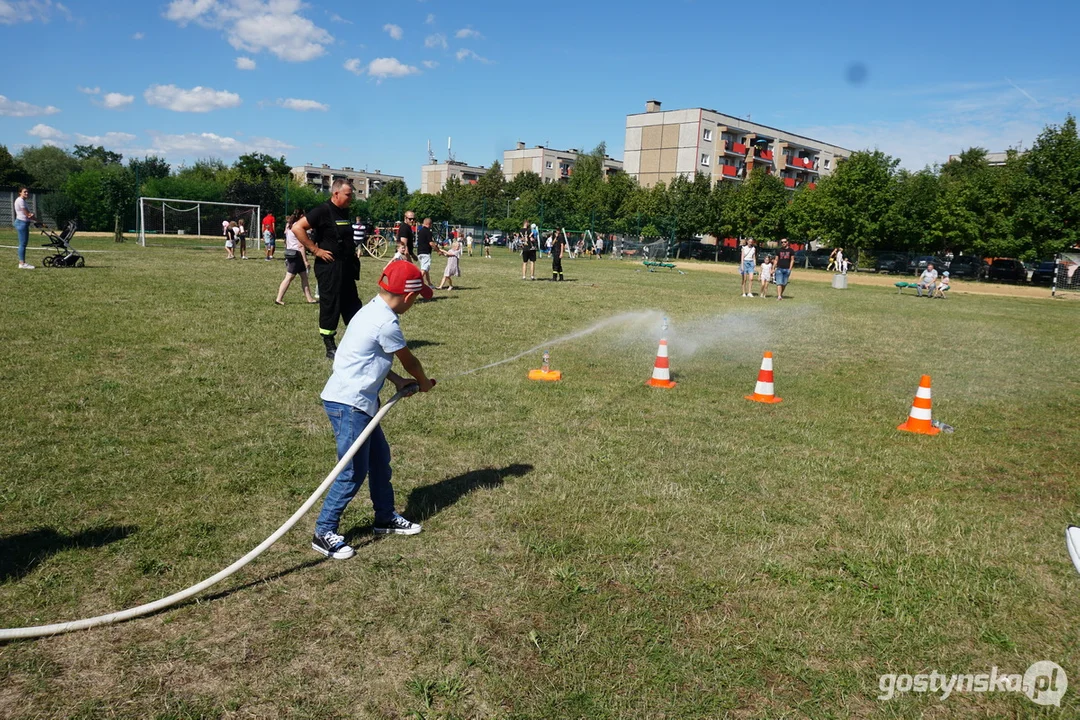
(268, 223)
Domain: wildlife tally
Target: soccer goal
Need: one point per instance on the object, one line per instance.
(169, 222)
(1066, 273)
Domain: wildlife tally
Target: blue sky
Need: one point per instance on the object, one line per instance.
(367, 84)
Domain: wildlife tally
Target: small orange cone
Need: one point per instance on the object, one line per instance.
(919, 419)
(661, 374)
(763, 391)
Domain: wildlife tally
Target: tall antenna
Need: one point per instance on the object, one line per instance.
(430, 155)
(449, 152)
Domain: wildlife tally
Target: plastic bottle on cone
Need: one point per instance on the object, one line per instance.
(920, 419)
(763, 391)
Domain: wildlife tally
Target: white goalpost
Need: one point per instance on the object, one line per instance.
(173, 222)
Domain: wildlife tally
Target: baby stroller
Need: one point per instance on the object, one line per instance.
(66, 256)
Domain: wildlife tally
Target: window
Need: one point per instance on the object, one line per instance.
(548, 164)
(826, 163)
(705, 159)
(707, 137)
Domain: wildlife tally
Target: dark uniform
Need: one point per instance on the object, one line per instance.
(556, 258)
(337, 280)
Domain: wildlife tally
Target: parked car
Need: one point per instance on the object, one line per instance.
(968, 267)
(695, 250)
(1044, 273)
(1007, 270)
(916, 265)
(820, 258)
(890, 262)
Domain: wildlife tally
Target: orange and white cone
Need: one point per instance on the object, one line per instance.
(661, 374)
(919, 419)
(763, 391)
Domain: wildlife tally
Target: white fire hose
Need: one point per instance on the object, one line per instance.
(58, 628)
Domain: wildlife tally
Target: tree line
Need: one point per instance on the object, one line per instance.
(1028, 208)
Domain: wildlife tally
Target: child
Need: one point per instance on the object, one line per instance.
(268, 239)
(230, 241)
(241, 239)
(452, 270)
(402, 252)
(351, 398)
(766, 274)
(942, 286)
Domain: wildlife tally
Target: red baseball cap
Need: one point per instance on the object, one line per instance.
(401, 277)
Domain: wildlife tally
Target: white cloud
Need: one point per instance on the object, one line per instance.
(245, 63)
(109, 139)
(430, 64)
(45, 132)
(18, 108)
(56, 138)
(464, 54)
(430, 19)
(115, 101)
(467, 32)
(254, 25)
(138, 36)
(390, 67)
(354, 66)
(88, 91)
(302, 105)
(438, 40)
(17, 11)
(204, 144)
(198, 99)
(393, 31)
(335, 18)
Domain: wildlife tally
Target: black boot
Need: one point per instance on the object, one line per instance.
(331, 346)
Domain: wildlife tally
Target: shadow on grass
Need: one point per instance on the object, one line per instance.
(20, 554)
(424, 502)
(414, 344)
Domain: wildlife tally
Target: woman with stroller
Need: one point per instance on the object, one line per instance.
(295, 262)
(23, 218)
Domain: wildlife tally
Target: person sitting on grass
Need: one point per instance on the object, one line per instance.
(766, 274)
(942, 286)
(926, 281)
(351, 398)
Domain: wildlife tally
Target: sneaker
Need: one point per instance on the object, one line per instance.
(397, 526)
(332, 545)
(243, 257)
(25, 266)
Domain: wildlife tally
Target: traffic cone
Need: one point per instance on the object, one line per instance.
(763, 391)
(661, 374)
(919, 419)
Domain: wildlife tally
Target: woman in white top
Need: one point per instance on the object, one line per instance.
(840, 261)
(23, 218)
(295, 262)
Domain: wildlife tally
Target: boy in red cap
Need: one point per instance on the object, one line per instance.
(351, 397)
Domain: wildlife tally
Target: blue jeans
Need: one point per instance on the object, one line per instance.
(747, 267)
(372, 460)
(22, 228)
(781, 276)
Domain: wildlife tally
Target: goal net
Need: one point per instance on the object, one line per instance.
(169, 222)
(1066, 273)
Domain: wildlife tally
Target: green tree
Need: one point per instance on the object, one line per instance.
(759, 207)
(84, 188)
(855, 200)
(259, 165)
(522, 183)
(117, 195)
(1047, 205)
(48, 166)
(99, 153)
(432, 206)
(149, 167)
(908, 223)
(12, 173)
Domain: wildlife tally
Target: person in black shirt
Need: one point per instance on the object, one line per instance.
(424, 245)
(785, 261)
(528, 257)
(558, 247)
(405, 232)
(336, 264)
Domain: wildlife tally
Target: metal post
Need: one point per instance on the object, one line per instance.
(483, 220)
(198, 220)
(1053, 284)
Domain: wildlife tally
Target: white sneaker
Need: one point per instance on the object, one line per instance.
(332, 545)
(25, 266)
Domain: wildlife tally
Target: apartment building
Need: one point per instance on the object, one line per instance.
(993, 159)
(662, 144)
(551, 165)
(433, 176)
(321, 177)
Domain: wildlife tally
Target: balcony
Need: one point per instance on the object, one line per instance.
(729, 170)
(789, 182)
(738, 148)
(800, 163)
(763, 156)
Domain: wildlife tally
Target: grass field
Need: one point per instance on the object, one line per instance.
(591, 549)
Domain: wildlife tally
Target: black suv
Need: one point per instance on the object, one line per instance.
(967, 266)
(1007, 270)
(890, 262)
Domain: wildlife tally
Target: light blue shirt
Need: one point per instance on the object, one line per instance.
(364, 357)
